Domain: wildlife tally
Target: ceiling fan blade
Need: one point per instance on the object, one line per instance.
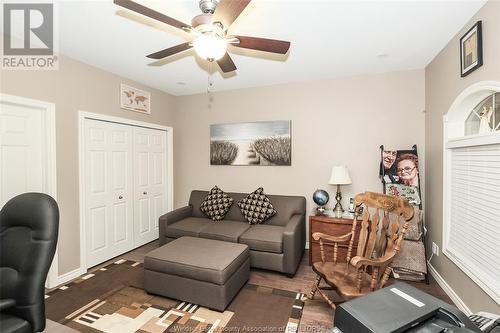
(138, 8)
(228, 10)
(263, 44)
(170, 51)
(226, 63)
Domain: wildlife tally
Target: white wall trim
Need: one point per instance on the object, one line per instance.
(82, 115)
(449, 291)
(468, 98)
(50, 169)
(170, 170)
(66, 277)
(97, 116)
(474, 140)
(83, 264)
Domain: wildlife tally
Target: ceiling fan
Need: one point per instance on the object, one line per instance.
(209, 31)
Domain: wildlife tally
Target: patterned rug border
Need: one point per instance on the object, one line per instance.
(292, 325)
(87, 276)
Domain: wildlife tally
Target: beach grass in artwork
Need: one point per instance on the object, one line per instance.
(276, 150)
(257, 143)
(222, 152)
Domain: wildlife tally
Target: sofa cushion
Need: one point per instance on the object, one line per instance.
(216, 204)
(228, 231)
(256, 207)
(190, 226)
(198, 258)
(262, 237)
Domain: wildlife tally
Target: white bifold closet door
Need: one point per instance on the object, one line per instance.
(125, 174)
(149, 183)
(109, 190)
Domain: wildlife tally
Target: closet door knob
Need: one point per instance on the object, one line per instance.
(120, 197)
(144, 192)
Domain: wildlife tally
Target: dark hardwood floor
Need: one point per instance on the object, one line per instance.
(317, 315)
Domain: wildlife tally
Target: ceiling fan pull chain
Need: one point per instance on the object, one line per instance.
(210, 78)
(209, 86)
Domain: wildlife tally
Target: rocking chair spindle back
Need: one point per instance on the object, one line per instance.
(383, 226)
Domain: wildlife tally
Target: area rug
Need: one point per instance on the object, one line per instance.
(112, 300)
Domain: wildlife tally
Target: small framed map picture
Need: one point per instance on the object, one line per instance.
(471, 50)
(134, 99)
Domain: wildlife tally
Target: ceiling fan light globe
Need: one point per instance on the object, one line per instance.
(210, 47)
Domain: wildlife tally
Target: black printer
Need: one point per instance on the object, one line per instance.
(400, 308)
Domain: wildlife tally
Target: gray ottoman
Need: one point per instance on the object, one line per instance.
(201, 271)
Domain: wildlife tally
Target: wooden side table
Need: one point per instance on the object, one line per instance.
(332, 226)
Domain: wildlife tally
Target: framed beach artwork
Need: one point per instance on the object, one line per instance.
(256, 143)
(134, 99)
(471, 50)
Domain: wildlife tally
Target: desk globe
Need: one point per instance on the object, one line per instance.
(320, 198)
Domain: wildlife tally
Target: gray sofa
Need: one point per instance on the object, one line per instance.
(277, 244)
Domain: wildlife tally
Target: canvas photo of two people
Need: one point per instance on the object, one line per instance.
(400, 174)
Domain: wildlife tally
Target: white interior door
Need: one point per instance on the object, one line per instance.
(150, 172)
(27, 152)
(22, 150)
(108, 171)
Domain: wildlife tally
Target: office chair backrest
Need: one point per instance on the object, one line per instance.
(29, 225)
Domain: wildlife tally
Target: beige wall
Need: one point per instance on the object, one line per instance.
(77, 86)
(442, 85)
(340, 121)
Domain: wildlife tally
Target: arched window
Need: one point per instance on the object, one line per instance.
(471, 193)
(485, 117)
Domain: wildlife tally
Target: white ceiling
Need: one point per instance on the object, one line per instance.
(329, 39)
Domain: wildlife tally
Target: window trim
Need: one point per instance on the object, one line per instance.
(454, 137)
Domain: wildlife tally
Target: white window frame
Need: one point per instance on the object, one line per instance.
(454, 137)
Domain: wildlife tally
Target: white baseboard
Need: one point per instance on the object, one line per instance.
(62, 279)
(449, 291)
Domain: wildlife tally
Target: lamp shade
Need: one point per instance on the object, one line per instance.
(340, 176)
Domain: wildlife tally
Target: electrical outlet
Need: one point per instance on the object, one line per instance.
(435, 249)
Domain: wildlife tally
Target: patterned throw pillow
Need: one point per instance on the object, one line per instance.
(256, 207)
(216, 204)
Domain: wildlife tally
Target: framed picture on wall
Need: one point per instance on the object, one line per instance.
(134, 99)
(262, 143)
(471, 50)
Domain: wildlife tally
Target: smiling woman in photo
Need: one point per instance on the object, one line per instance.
(407, 169)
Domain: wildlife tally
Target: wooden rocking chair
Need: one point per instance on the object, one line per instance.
(377, 245)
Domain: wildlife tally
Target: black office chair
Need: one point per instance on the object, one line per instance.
(29, 225)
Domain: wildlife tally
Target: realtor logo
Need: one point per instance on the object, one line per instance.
(28, 36)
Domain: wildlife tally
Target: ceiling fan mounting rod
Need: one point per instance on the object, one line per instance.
(208, 6)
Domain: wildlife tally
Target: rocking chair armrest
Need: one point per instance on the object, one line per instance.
(335, 239)
(359, 261)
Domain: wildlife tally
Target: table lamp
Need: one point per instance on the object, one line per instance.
(340, 176)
